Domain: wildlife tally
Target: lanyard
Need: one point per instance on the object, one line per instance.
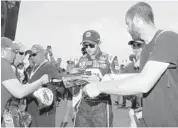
(34, 70)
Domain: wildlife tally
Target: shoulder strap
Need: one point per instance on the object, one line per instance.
(159, 35)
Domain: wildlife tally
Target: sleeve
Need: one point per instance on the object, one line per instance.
(166, 49)
(53, 72)
(6, 71)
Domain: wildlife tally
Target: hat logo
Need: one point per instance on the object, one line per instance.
(88, 34)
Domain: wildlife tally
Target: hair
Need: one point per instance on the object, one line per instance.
(83, 51)
(142, 10)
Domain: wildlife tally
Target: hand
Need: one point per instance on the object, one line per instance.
(44, 79)
(92, 90)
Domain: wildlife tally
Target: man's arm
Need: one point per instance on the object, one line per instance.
(19, 91)
(164, 54)
(135, 84)
(140, 83)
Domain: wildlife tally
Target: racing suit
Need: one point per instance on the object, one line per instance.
(95, 112)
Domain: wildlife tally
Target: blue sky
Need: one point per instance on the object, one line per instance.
(61, 24)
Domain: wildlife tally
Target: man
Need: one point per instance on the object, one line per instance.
(134, 67)
(51, 58)
(18, 62)
(137, 47)
(21, 54)
(10, 85)
(70, 66)
(30, 67)
(95, 112)
(43, 117)
(159, 70)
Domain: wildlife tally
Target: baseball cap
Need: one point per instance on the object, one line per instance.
(37, 48)
(91, 36)
(8, 43)
(135, 41)
(22, 47)
(28, 52)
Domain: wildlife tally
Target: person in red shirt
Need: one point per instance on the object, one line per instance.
(157, 80)
(42, 117)
(10, 85)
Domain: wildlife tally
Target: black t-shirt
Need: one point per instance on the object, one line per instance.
(160, 104)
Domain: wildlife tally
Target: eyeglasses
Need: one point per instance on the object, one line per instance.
(90, 45)
(136, 46)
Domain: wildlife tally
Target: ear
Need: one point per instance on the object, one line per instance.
(99, 43)
(3, 52)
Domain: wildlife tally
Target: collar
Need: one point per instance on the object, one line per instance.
(36, 69)
(97, 55)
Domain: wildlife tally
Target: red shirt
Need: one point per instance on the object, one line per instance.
(7, 73)
(47, 68)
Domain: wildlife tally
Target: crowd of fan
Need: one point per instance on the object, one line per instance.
(30, 95)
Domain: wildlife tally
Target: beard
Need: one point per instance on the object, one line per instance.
(135, 33)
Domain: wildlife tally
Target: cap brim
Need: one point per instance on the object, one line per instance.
(135, 42)
(131, 42)
(28, 52)
(88, 41)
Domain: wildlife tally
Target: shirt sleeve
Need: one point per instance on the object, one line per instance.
(166, 48)
(6, 71)
(53, 72)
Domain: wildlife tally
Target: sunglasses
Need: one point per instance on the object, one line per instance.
(90, 45)
(137, 45)
(33, 54)
(21, 53)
